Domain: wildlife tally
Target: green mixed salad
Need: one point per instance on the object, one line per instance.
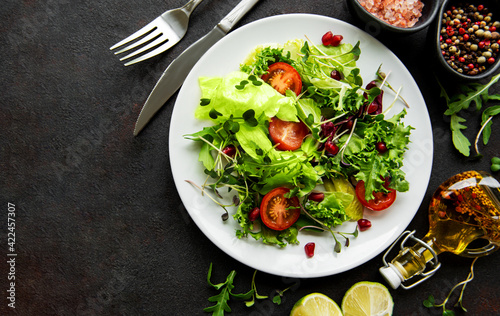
(291, 133)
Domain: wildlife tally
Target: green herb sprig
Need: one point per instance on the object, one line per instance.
(470, 93)
(222, 299)
(430, 302)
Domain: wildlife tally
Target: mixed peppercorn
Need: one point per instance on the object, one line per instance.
(469, 38)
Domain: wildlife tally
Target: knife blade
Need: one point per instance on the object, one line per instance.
(175, 74)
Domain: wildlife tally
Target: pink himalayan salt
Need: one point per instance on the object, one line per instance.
(400, 13)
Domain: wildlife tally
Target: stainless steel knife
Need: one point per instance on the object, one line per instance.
(175, 74)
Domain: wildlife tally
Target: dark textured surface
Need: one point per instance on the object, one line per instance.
(100, 229)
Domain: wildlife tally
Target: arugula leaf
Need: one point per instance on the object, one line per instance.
(469, 93)
(221, 300)
(486, 121)
(461, 142)
(474, 92)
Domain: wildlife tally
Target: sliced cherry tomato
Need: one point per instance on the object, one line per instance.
(288, 135)
(278, 212)
(282, 76)
(380, 202)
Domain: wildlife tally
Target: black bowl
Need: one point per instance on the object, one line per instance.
(374, 25)
(493, 6)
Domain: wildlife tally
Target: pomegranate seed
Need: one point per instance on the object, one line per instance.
(337, 75)
(316, 196)
(348, 125)
(381, 147)
(372, 108)
(336, 40)
(254, 214)
(331, 148)
(329, 39)
(309, 248)
(229, 150)
(364, 224)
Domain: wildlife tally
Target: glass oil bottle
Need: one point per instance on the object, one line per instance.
(463, 209)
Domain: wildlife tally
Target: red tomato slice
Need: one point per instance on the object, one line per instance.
(278, 212)
(380, 202)
(288, 135)
(282, 76)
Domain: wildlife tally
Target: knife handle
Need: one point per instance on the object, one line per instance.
(228, 22)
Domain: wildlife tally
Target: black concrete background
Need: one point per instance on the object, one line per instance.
(100, 228)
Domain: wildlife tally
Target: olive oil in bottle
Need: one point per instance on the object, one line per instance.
(463, 209)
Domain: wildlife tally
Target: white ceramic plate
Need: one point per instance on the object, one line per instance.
(291, 261)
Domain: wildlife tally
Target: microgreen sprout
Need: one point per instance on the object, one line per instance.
(393, 102)
(252, 78)
(382, 77)
(324, 227)
(225, 215)
(204, 101)
(349, 138)
(430, 301)
(255, 295)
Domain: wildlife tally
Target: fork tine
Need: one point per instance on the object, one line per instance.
(143, 31)
(154, 33)
(160, 40)
(152, 53)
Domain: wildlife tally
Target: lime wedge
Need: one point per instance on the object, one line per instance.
(367, 299)
(355, 209)
(316, 304)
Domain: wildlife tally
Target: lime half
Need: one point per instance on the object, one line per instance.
(367, 299)
(316, 304)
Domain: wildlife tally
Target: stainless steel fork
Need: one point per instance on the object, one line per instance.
(159, 35)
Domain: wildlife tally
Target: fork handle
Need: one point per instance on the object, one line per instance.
(190, 6)
(236, 14)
